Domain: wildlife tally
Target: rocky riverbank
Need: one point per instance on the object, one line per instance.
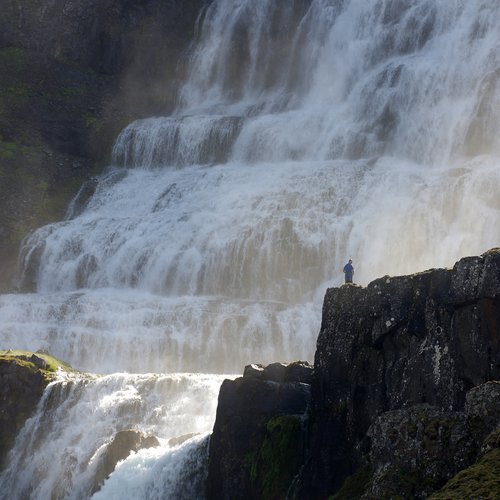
(404, 397)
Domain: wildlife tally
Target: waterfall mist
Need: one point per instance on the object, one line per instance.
(59, 451)
(308, 132)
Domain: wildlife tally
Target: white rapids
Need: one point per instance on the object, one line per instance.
(308, 132)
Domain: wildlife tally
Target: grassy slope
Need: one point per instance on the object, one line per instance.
(22, 358)
(481, 480)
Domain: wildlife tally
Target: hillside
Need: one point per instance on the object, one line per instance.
(72, 74)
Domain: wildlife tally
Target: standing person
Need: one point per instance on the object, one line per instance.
(349, 271)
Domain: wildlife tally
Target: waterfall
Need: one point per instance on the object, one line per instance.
(308, 132)
(59, 451)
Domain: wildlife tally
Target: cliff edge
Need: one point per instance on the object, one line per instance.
(23, 378)
(402, 397)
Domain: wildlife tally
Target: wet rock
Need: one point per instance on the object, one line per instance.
(259, 420)
(124, 443)
(82, 198)
(178, 440)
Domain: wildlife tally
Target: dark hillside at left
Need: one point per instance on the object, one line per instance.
(72, 74)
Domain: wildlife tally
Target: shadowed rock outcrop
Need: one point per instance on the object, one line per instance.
(404, 341)
(415, 450)
(23, 378)
(403, 394)
(124, 443)
(257, 445)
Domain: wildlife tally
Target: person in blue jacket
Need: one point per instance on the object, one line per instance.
(349, 271)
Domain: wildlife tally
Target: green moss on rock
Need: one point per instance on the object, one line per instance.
(481, 480)
(492, 441)
(274, 466)
(14, 57)
(355, 486)
(23, 378)
(30, 359)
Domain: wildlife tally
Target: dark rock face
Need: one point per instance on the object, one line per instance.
(72, 75)
(257, 445)
(22, 383)
(404, 396)
(414, 451)
(411, 340)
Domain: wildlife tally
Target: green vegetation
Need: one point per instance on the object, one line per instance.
(481, 480)
(24, 358)
(16, 88)
(273, 467)
(9, 150)
(342, 407)
(14, 57)
(90, 120)
(355, 486)
(403, 483)
(492, 441)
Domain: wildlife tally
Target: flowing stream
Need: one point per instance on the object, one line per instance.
(308, 132)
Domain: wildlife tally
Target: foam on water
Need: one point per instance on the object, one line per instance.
(100, 330)
(308, 132)
(160, 474)
(58, 453)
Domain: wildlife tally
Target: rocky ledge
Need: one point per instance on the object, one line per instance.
(23, 378)
(402, 398)
(258, 444)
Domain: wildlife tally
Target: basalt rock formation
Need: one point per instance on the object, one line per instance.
(415, 450)
(401, 393)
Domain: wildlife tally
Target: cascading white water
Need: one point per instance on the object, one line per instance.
(59, 451)
(309, 131)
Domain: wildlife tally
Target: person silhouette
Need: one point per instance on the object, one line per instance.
(349, 271)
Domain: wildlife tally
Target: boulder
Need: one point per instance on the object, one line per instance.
(257, 443)
(415, 451)
(123, 443)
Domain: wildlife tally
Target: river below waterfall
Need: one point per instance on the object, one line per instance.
(308, 132)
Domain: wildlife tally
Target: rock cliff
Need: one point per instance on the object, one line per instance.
(257, 445)
(23, 378)
(401, 399)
